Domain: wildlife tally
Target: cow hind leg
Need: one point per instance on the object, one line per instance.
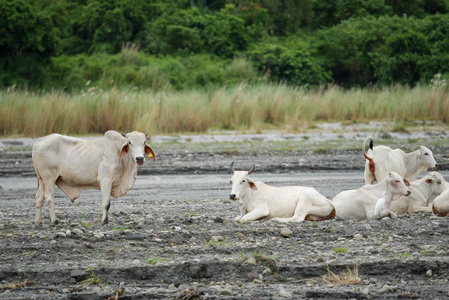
(314, 211)
(49, 194)
(39, 201)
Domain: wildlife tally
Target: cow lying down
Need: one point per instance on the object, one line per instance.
(440, 205)
(108, 164)
(360, 204)
(258, 200)
(423, 191)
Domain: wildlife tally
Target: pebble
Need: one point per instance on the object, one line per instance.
(226, 292)
(284, 294)
(358, 236)
(429, 273)
(61, 234)
(267, 272)
(77, 231)
(285, 232)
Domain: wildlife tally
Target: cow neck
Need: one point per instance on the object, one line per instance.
(411, 163)
(245, 199)
(388, 198)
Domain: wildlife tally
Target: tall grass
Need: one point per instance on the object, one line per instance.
(242, 107)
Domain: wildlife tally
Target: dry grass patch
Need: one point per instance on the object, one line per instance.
(16, 286)
(350, 277)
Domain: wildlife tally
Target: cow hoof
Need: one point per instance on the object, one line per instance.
(105, 221)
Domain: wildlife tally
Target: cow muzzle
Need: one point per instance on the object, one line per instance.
(408, 193)
(140, 160)
(233, 197)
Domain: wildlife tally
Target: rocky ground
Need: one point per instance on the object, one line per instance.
(173, 237)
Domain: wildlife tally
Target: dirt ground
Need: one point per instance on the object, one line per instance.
(173, 236)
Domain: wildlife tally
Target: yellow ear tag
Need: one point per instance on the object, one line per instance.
(150, 154)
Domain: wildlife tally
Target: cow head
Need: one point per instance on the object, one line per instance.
(398, 185)
(241, 183)
(435, 182)
(137, 147)
(425, 158)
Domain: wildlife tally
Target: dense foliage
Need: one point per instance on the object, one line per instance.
(183, 44)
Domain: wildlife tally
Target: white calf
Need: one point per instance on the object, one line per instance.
(360, 204)
(382, 159)
(423, 191)
(284, 204)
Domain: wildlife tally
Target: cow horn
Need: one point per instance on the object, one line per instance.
(252, 169)
(146, 135)
(232, 167)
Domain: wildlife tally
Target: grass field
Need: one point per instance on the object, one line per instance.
(253, 108)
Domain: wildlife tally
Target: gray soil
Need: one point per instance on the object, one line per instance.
(173, 236)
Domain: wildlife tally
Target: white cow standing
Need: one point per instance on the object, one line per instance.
(360, 204)
(258, 200)
(382, 159)
(423, 191)
(108, 164)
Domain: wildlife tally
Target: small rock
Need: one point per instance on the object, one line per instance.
(217, 238)
(61, 234)
(429, 273)
(320, 259)
(251, 260)
(285, 232)
(267, 272)
(386, 289)
(284, 294)
(358, 236)
(226, 292)
(240, 235)
(218, 220)
(77, 231)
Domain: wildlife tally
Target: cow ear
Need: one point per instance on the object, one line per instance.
(124, 151)
(149, 152)
(252, 185)
(406, 182)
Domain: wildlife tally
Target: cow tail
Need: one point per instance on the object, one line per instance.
(436, 212)
(371, 165)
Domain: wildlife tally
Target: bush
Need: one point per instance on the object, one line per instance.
(281, 64)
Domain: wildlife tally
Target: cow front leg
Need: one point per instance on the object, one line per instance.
(106, 200)
(257, 214)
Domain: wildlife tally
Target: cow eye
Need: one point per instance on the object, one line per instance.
(426, 153)
(243, 181)
(130, 143)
